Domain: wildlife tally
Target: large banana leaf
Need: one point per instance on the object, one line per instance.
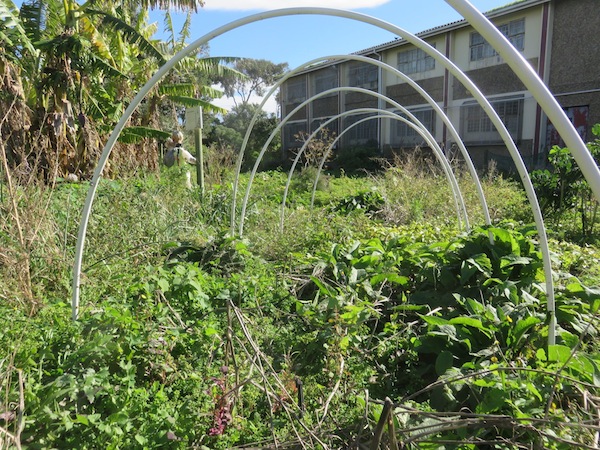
(133, 135)
(131, 34)
(183, 89)
(188, 90)
(33, 15)
(11, 28)
(194, 102)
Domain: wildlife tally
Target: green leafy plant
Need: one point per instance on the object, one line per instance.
(564, 188)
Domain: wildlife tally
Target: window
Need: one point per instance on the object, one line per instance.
(514, 31)
(363, 75)
(296, 91)
(478, 127)
(408, 135)
(328, 133)
(290, 132)
(579, 117)
(364, 132)
(325, 80)
(331, 128)
(415, 61)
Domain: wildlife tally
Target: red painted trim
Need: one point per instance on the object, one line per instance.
(541, 71)
(446, 88)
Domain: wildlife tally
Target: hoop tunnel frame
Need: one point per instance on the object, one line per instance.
(388, 69)
(382, 113)
(515, 60)
(443, 161)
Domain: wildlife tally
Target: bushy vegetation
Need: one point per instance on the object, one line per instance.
(368, 320)
(565, 195)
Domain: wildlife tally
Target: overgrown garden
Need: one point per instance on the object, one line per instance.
(368, 320)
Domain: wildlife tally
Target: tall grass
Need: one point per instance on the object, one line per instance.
(134, 219)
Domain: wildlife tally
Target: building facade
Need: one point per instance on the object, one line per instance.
(559, 38)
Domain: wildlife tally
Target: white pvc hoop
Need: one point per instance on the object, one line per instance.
(514, 152)
(391, 116)
(418, 127)
(439, 111)
(538, 89)
(434, 146)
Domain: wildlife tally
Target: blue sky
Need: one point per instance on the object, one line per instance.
(298, 39)
(301, 38)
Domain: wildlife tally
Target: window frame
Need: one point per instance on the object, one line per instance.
(405, 135)
(363, 132)
(477, 127)
(417, 61)
(480, 49)
(291, 86)
(363, 75)
(290, 129)
(325, 77)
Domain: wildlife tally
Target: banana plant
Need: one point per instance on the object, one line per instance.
(187, 86)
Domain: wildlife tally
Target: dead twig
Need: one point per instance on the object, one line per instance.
(383, 420)
(333, 391)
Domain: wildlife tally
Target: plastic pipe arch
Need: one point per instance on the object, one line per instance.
(439, 154)
(522, 69)
(423, 132)
(418, 127)
(388, 69)
(387, 115)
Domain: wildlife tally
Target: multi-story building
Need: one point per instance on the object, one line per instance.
(559, 38)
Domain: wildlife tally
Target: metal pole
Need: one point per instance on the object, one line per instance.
(199, 159)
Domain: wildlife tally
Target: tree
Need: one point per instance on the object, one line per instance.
(229, 133)
(257, 76)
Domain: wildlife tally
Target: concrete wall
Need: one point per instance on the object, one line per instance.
(575, 58)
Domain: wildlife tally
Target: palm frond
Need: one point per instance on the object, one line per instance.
(130, 33)
(217, 66)
(209, 67)
(180, 5)
(97, 41)
(186, 30)
(188, 90)
(14, 33)
(146, 29)
(133, 135)
(169, 28)
(93, 107)
(183, 89)
(210, 91)
(8, 12)
(106, 67)
(101, 105)
(33, 14)
(4, 39)
(191, 102)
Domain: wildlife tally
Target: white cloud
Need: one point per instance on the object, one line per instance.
(228, 103)
(245, 5)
